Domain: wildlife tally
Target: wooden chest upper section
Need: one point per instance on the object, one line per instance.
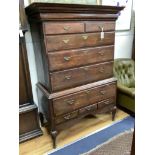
(68, 43)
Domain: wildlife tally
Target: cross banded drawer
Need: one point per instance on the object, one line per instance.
(79, 57)
(72, 102)
(54, 43)
(79, 76)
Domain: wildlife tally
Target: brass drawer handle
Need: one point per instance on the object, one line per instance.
(88, 91)
(68, 77)
(100, 27)
(107, 102)
(102, 92)
(88, 108)
(101, 70)
(67, 117)
(66, 41)
(70, 102)
(101, 52)
(66, 28)
(85, 37)
(67, 58)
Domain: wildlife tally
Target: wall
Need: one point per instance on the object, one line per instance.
(124, 41)
(123, 49)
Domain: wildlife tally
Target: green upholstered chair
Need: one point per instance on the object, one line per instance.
(124, 71)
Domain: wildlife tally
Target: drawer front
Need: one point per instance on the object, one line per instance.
(66, 117)
(88, 109)
(63, 28)
(86, 97)
(82, 75)
(75, 58)
(106, 102)
(78, 41)
(94, 26)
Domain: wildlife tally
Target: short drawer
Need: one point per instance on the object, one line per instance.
(54, 43)
(106, 102)
(88, 109)
(94, 26)
(72, 102)
(63, 28)
(79, 76)
(67, 59)
(66, 117)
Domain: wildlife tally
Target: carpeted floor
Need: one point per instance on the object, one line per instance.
(99, 137)
(118, 145)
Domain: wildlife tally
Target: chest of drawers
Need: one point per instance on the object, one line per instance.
(74, 49)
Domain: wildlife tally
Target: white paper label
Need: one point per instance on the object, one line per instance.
(21, 33)
(102, 35)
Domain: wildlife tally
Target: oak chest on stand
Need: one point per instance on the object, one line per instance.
(74, 48)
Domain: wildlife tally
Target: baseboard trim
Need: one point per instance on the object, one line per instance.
(29, 135)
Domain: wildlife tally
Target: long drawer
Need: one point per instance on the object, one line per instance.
(78, 76)
(62, 42)
(83, 98)
(75, 58)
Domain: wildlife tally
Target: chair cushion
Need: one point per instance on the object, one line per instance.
(124, 71)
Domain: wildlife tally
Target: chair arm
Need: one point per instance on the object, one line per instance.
(126, 90)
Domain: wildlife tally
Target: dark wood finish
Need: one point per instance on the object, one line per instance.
(87, 109)
(28, 123)
(46, 11)
(96, 26)
(28, 112)
(67, 117)
(74, 63)
(63, 28)
(67, 59)
(82, 75)
(82, 98)
(25, 92)
(54, 43)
